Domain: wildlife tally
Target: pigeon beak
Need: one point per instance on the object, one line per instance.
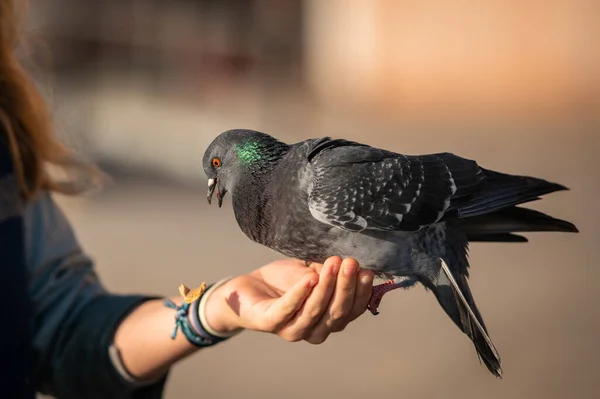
(220, 195)
(212, 187)
(212, 184)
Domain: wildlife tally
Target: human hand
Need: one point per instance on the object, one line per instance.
(291, 300)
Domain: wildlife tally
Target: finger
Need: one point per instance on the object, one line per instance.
(364, 289)
(318, 267)
(340, 305)
(283, 309)
(282, 275)
(316, 303)
(288, 262)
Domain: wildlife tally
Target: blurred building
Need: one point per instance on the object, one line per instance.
(176, 46)
(388, 53)
(127, 72)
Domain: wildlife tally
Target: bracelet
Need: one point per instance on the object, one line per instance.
(202, 335)
(199, 316)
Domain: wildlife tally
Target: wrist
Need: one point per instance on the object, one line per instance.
(214, 310)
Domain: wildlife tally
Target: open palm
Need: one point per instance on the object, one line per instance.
(300, 303)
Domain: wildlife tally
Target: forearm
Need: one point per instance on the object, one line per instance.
(144, 342)
(143, 338)
(77, 323)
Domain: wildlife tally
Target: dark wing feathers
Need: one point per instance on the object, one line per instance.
(319, 145)
(355, 187)
(467, 175)
(358, 187)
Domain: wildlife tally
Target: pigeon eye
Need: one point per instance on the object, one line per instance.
(216, 162)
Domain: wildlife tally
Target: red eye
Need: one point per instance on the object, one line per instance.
(216, 162)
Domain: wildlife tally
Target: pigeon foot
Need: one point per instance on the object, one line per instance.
(381, 289)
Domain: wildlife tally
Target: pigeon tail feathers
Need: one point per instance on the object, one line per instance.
(454, 296)
(502, 190)
(499, 226)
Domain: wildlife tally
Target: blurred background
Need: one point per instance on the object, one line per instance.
(141, 87)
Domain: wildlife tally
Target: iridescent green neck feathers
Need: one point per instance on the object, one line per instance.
(251, 152)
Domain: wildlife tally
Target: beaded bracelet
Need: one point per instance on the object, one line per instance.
(200, 335)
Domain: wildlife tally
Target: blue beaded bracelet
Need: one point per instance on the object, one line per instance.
(198, 336)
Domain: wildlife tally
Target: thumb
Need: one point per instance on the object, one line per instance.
(285, 307)
(283, 275)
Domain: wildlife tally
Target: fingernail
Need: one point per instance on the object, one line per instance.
(312, 282)
(366, 279)
(334, 269)
(349, 271)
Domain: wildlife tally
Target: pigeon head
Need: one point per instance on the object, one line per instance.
(237, 155)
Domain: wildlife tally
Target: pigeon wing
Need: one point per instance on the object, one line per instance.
(356, 187)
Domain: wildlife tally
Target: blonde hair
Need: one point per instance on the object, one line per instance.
(25, 119)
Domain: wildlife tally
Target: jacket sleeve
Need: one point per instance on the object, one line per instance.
(75, 318)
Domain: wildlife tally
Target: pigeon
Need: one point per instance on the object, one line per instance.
(409, 218)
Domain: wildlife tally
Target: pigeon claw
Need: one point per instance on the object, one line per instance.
(375, 301)
(373, 310)
(381, 289)
(378, 292)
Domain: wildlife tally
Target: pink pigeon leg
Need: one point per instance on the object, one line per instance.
(381, 289)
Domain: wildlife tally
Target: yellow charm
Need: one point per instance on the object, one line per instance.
(190, 295)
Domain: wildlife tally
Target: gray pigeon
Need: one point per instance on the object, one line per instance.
(407, 218)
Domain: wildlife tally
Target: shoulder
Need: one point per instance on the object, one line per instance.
(48, 232)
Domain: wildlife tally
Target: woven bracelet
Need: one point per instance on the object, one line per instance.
(198, 336)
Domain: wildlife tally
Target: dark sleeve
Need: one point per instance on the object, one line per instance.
(15, 310)
(75, 318)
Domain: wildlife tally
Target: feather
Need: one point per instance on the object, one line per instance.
(480, 337)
